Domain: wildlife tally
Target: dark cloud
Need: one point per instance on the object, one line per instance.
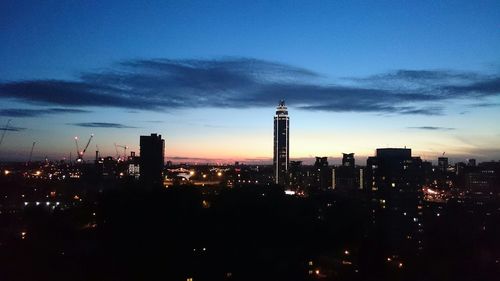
(182, 159)
(486, 87)
(163, 84)
(432, 128)
(485, 104)
(19, 112)
(102, 125)
(12, 129)
(422, 75)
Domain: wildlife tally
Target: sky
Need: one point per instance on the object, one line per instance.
(207, 76)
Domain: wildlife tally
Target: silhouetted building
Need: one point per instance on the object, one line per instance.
(281, 144)
(394, 169)
(348, 160)
(322, 173)
(471, 162)
(347, 177)
(443, 163)
(151, 159)
(296, 175)
(109, 167)
(480, 179)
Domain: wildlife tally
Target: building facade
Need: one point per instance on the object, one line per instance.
(323, 175)
(348, 160)
(394, 169)
(281, 144)
(152, 160)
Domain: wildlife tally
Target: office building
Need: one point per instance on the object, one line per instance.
(348, 160)
(394, 169)
(296, 176)
(347, 176)
(322, 173)
(443, 163)
(151, 160)
(281, 144)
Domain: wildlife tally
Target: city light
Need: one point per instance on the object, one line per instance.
(298, 141)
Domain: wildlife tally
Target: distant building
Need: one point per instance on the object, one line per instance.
(281, 144)
(133, 169)
(443, 163)
(323, 173)
(151, 159)
(348, 160)
(296, 175)
(394, 169)
(348, 176)
(109, 168)
(480, 179)
(471, 162)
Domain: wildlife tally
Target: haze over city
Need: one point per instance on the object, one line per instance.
(208, 75)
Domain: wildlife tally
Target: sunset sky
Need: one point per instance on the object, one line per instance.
(207, 76)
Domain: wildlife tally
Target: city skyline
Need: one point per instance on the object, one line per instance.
(429, 79)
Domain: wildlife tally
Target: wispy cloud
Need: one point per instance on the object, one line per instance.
(20, 112)
(164, 84)
(12, 129)
(432, 128)
(485, 104)
(102, 125)
(154, 121)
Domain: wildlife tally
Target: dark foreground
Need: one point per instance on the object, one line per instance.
(250, 233)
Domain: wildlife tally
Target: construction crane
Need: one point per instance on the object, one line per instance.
(82, 153)
(124, 151)
(31, 154)
(117, 154)
(88, 143)
(77, 149)
(5, 129)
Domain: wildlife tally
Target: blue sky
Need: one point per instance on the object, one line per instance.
(207, 75)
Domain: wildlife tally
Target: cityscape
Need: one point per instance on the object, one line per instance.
(147, 165)
(388, 216)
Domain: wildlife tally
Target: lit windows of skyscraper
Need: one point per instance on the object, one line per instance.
(281, 143)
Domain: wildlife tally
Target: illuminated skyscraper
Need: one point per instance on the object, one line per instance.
(281, 143)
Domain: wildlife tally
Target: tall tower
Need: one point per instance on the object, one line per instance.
(151, 160)
(281, 143)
